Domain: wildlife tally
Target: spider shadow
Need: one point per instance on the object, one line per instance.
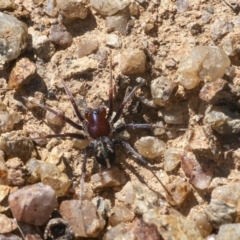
(141, 178)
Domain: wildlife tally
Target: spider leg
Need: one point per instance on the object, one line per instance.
(71, 98)
(59, 114)
(135, 125)
(110, 111)
(84, 164)
(62, 135)
(125, 101)
(141, 159)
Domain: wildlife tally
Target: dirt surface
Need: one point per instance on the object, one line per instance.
(171, 38)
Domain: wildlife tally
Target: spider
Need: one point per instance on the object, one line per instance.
(98, 125)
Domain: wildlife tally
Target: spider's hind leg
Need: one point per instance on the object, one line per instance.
(141, 160)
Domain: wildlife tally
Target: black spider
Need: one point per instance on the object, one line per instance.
(98, 125)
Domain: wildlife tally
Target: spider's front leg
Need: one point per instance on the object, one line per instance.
(59, 114)
(126, 100)
(135, 125)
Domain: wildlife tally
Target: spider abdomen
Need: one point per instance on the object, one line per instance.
(104, 151)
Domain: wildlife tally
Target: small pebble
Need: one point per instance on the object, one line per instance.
(80, 66)
(50, 175)
(114, 232)
(50, 8)
(200, 175)
(17, 33)
(54, 119)
(162, 90)
(229, 231)
(7, 121)
(134, 9)
(230, 46)
(119, 214)
(182, 5)
(56, 157)
(4, 192)
(224, 205)
(179, 191)
(113, 41)
(201, 220)
(145, 198)
(102, 56)
(102, 206)
(143, 230)
(42, 46)
(216, 92)
(23, 72)
(127, 194)
(32, 166)
(171, 226)
(108, 178)
(220, 28)
(221, 119)
(204, 143)
(84, 221)
(234, 4)
(150, 147)
(17, 172)
(195, 28)
(117, 22)
(60, 36)
(204, 63)
(133, 62)
(27, 205)
(87, 46)
(109, 7)
(21, 149)
(206, 17)
(172, 158)
(147, 22)
(73, 9)
(174, 113)
(7, 224)
(7, 5)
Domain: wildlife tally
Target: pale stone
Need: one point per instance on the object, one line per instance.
(73, 9)
(16, 42)
(109, 7)
(33, 204)
(203, 64)
(172, 158)
(171, 226)
(150, 147)
(84, 220)
(80, 66)
(133, 62)
(51, 175)
(120, 213)
(224, 205)
(87, 46)
(108, 178)
(162, 90)
(7, 224)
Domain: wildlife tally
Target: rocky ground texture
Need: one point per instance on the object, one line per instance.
(188, 52)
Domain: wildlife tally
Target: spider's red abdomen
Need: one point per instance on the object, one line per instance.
(98, 125)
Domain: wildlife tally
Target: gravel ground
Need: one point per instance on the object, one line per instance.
(188, 54)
